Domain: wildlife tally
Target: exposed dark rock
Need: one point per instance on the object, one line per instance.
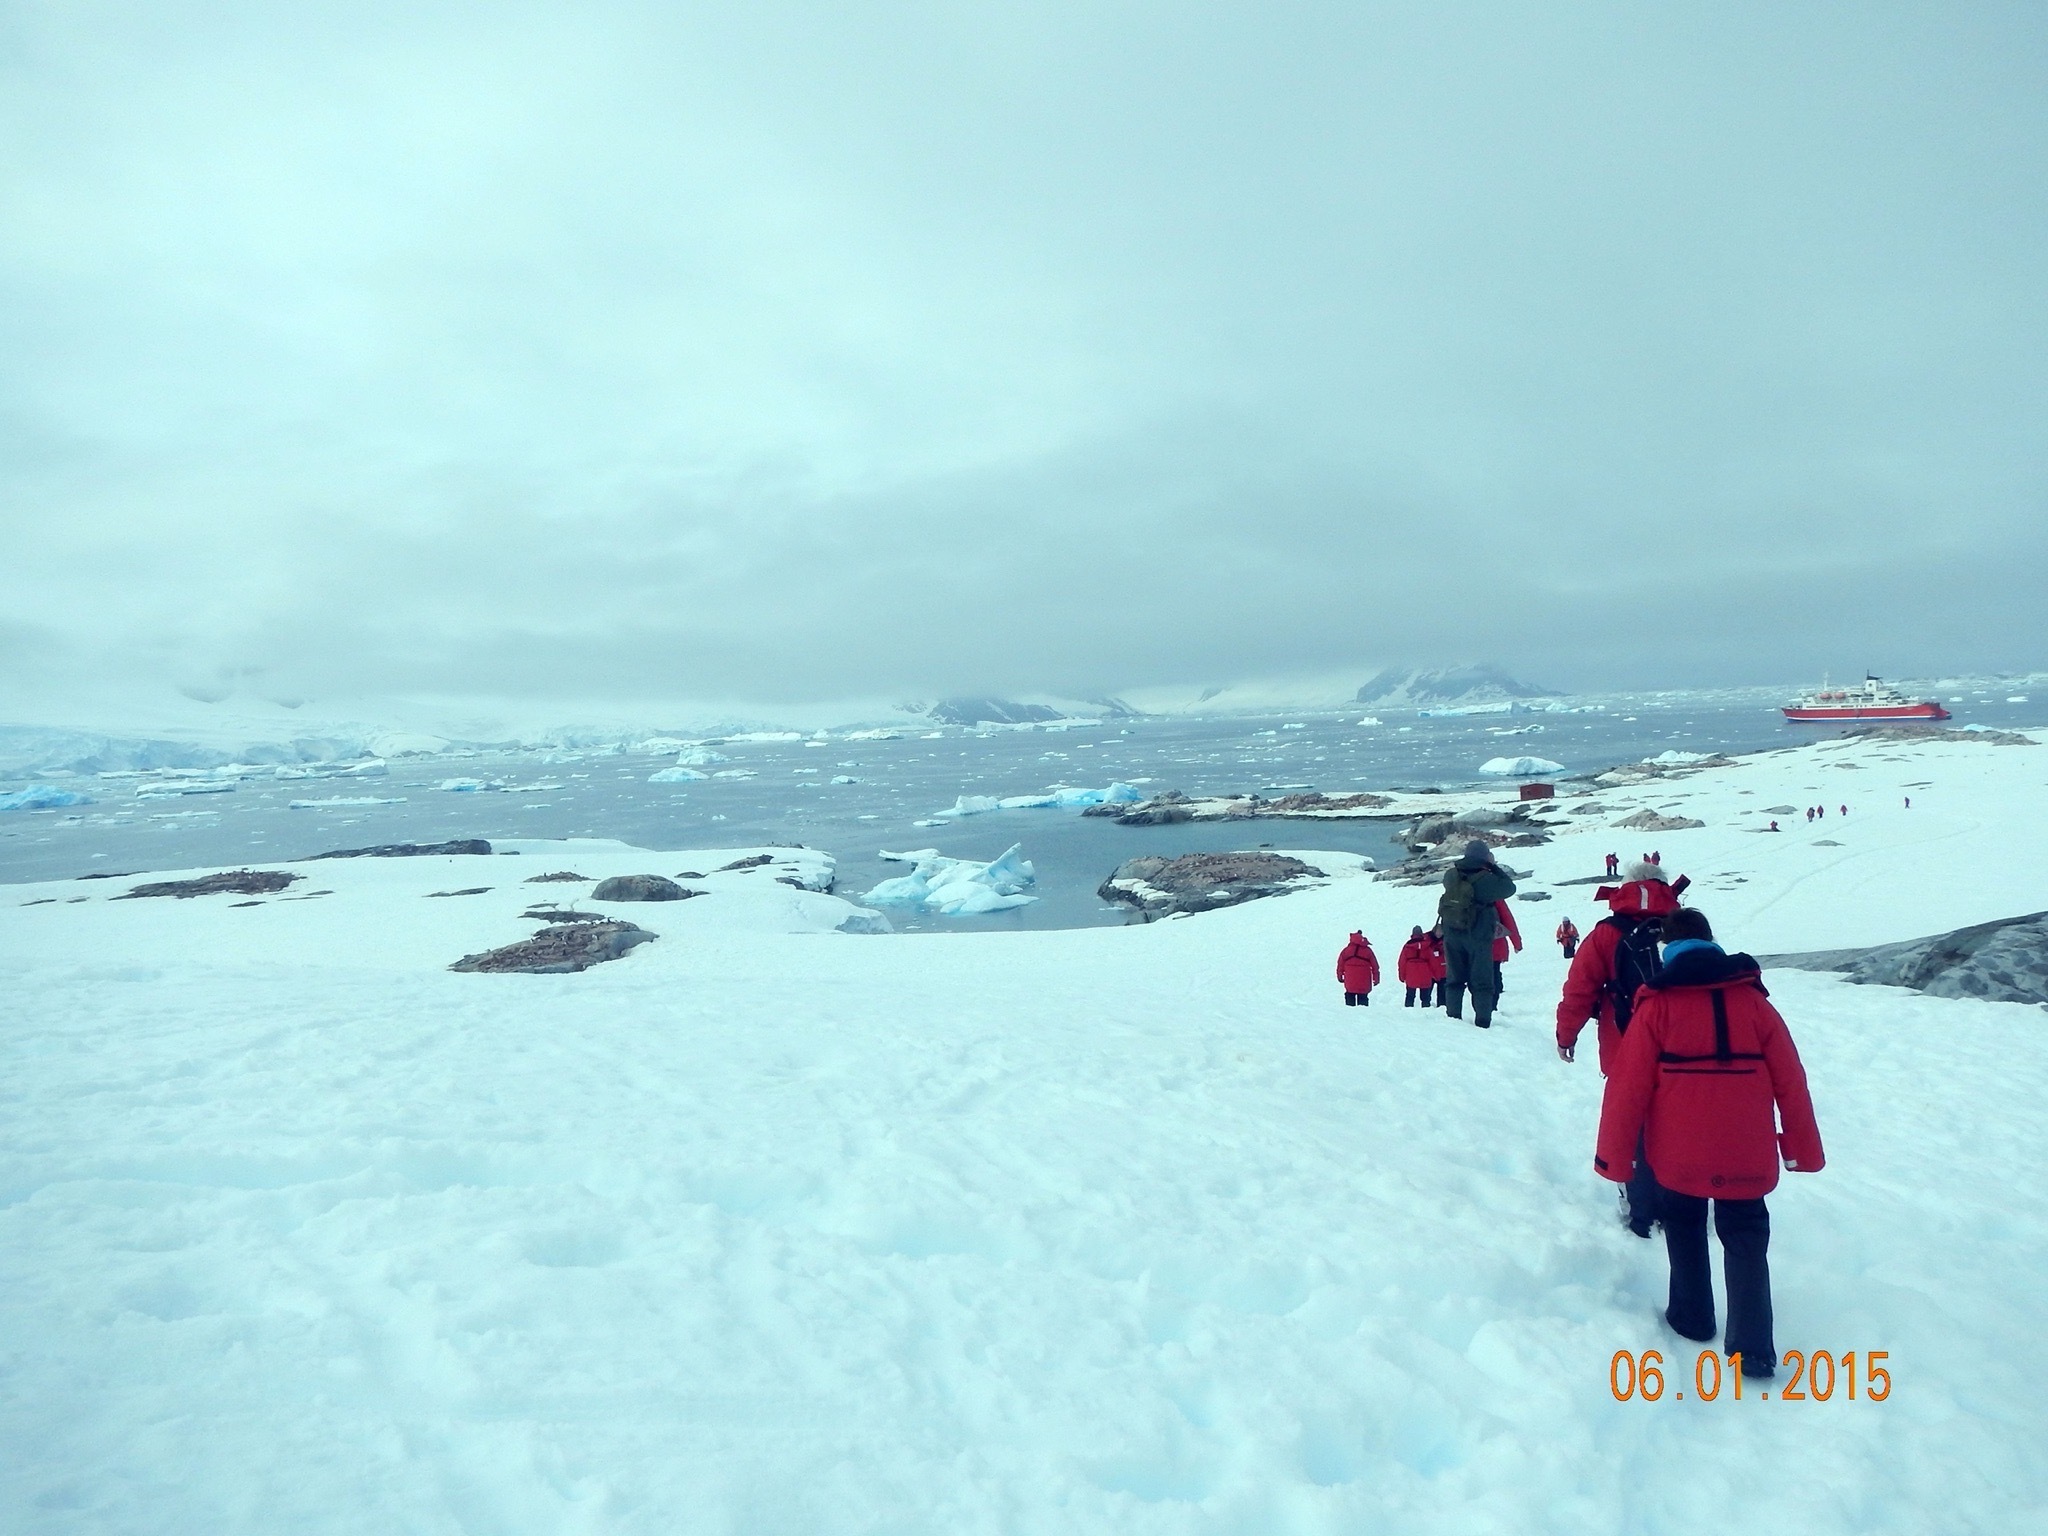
(2003, 962)
(563, 875)
(233, 904)
(1472, 685)
(474, 890)
(1202, 882)
(641, 888)
(989, 712)
(1650, 821)
(564, 947)
(1316, 800)
(109, 875)
(755, 862)
(562, 915)
(405, 850)
(1532, 895)
(1940, 733)
(689, 874)
(1148, 815)
(233, 882)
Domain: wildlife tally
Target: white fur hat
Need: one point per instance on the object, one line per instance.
(1643, 869)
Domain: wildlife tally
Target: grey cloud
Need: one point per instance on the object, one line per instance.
(784, 352)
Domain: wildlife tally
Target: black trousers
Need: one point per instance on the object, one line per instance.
(1410, 1003)
(1744, 1227)
(1357, 999)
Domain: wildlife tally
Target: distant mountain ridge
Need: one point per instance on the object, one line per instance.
(1450, 685)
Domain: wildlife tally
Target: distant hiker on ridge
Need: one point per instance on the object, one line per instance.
(1469, 920)
(1358, 968)
(1706, 1061)
(1415, 968)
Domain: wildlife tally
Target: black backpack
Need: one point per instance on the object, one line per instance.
(1636, 962)
(1458, 907)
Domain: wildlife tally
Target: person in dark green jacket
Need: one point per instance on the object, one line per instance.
(1471, 887)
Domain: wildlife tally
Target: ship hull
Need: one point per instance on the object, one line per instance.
(1829, 712)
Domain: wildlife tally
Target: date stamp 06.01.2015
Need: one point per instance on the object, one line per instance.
(1811, 1377)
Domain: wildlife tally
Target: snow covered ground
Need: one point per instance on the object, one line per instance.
(768, 1228)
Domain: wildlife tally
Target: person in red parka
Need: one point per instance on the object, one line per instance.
(1707, 1075)
(1416, 968)
(1618, 956)
(1568, 937)
(1358, 968)
(1508, 931)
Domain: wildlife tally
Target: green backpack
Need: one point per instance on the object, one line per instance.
(1458, 907)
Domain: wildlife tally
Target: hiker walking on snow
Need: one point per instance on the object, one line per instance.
(1619, 957)
(1706, 1061)
(1568, 937)
(1613, 865)
(1416, 969)
(1509, 931)
(1358, 968)
(1469, 920)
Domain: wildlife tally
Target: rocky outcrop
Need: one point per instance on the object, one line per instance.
(1202, 882)
(990, 712)
(2002, 962)
(1650, 821)
(1462, 685)
(1940, 733)
(405, 850)
(641, 888)
(562, 876)
(560, 949)
(232, 882)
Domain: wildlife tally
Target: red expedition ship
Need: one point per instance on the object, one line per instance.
(1873, 701)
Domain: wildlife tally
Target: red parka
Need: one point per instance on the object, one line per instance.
(1706, 1061)
(1414, 966)
(1508, 930)
(1358, 968)
(1439, 968)
(1586, 995)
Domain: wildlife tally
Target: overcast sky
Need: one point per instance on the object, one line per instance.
(776, 352)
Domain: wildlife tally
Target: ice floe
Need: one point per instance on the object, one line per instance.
(957, 887)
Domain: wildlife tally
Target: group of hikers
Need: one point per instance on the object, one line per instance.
(1705, 1094)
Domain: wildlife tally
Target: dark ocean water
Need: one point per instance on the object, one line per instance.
(790, 798)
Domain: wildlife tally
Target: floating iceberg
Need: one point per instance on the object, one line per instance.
(1370, 720)
(1520, 767)
(42, 797)
(844, 778)
(880, 733)
(469, 786)
(182, 787)
(1059, 798)
(676, 775)
(1457, 711)
(735, 773)
(1675, 756)
(699, 757)
(957, 887)
(338, 802)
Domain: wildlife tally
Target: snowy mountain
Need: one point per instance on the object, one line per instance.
(1485, 684)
